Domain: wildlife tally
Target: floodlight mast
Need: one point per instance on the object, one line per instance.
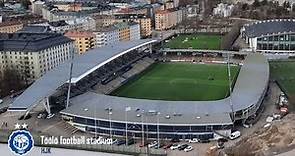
(71, 65)
(230, 88)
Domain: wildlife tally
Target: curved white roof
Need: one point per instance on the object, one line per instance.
(249, 87)
(83, 65)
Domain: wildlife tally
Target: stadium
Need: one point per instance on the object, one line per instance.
(103, 79)
(275, 36)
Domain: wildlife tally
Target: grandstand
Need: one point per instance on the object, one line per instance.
(274, 36)
(100, 71)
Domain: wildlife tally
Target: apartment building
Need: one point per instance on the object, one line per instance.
(106, 36)
(84, 40)
(144, 22)
(123, 31)
(166, 19)
(33, 54)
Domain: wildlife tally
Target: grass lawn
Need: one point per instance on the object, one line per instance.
(195, 41)
(179, 82)
(284, 73)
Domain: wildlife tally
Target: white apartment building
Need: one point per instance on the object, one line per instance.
(106, 36)
(123, 31)
(223, 10)
(33, 54)
(134, 31)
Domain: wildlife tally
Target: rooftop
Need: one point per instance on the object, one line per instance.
(30, 42)
(269, 27)
(34, 29)
(79, 34)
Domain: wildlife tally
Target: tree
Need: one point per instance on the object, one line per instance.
(286, 5)
(10, 80)
(25, 3)
(256, 4)
(264, 2)
(293, 7)
(1, 3)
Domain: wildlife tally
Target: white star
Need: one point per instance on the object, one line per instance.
(17, 126)
(25, 126)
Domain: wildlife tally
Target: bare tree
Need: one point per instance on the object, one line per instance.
(10, 80)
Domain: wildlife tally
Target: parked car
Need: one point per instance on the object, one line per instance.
(174, 140)
(235, 135)
(42, 115)
(49, 116)
(174, 146)
(121, 142)
(188, 148)
(167, 146)
(159, 146)
(1, 101)
(182, 147)
(193, 140)
(153, 144)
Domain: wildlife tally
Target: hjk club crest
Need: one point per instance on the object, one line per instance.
(20, 142)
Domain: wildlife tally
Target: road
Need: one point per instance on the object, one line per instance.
(6, 102)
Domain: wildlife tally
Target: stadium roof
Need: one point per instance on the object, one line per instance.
(249, 87)
(269, 27)
(83, 65)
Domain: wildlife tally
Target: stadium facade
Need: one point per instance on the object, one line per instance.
(275, 36)
(93, 111)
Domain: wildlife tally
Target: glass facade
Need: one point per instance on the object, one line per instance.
(276, 42)
(166, 131)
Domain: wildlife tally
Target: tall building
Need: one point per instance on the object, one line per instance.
(106, 36)
(123, 31)
(37, 7)
(84, 40)
(223, 10)
(33, 54)
(166, 19)
(144, 22)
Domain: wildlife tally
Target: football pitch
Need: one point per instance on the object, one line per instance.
(284, 73)
(195, 41)
(180, 82)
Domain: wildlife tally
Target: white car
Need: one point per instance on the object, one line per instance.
(174, 146)
(188, 148)
(193, 140)
(49, 116)
(1, 101)
(235, 135)
(153, 144)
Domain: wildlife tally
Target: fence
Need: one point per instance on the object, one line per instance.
(128, 150)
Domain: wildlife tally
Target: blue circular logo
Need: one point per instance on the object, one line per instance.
(20, 142)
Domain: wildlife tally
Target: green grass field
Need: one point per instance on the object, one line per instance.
(179, 82)
(195, 41)
(284, 73)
